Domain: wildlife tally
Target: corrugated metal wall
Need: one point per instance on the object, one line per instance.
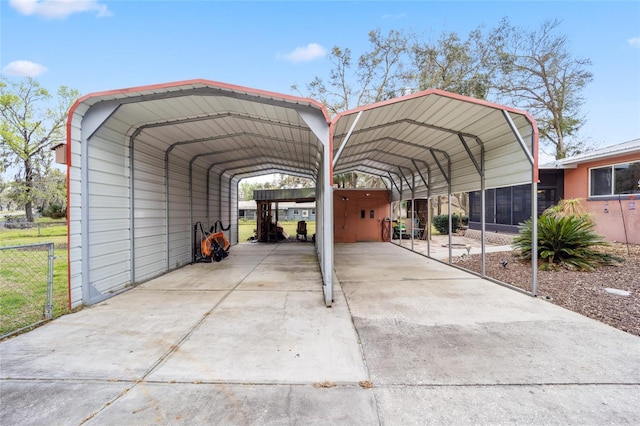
(178, 210)
(109, 211)
(100, 213)
(198, 196)
(149, 200)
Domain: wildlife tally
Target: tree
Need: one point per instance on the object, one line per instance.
(247, 188)
(452, 64)
(30, 126)
(378, 76)
(293, 182)
(51, 191)
(539, 75)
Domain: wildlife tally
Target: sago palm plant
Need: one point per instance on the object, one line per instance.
(567, 241)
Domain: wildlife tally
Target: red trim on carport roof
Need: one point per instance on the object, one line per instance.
(331, 126)
(437, 92)
(456, 96)
(212, 83)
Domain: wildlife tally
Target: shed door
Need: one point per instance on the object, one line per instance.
(368, 228)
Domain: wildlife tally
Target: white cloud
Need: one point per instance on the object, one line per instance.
(392, 16)
(59, 8)
(634, 42)
(307, 53)
(24, 69)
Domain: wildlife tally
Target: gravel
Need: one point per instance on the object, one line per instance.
(582, 292)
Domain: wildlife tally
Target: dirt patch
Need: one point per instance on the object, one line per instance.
(581, 292)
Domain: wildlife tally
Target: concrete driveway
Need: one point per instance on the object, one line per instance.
(249, 341)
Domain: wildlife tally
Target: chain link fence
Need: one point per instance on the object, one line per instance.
(26, 286)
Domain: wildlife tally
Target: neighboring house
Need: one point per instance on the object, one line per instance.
(286, 211)
(608, 183)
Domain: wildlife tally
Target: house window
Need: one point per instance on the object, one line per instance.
(618, 179)
(296, 212)
(503, 206)
(313, 212)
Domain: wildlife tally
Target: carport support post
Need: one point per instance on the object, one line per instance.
(413, 201)
(534, 237)
(166, 204)
(450, 224)
(391, 214)
(483, 223)
(449, 198)
(132, 216)
(534, 197)
(191, 241)
(428, 224)
(400, 217)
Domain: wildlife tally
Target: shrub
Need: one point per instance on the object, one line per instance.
(571, 207)
(441, 223)
(16, 222)
(567, 241)
(55, 211)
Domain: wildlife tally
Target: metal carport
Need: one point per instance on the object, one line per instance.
(145, 164)
(437, 143)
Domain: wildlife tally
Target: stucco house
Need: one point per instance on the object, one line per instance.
(608, 183)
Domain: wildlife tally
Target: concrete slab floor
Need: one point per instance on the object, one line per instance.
(249, 341)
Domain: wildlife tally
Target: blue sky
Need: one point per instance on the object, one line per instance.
(95, 45)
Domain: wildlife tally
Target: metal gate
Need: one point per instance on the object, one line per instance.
(26, 286)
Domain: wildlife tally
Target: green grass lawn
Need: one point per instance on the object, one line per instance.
(22, 288)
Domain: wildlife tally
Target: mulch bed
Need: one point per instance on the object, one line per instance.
(581, 292)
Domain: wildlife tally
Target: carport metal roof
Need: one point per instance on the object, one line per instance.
(246, 131)
(447, 141)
